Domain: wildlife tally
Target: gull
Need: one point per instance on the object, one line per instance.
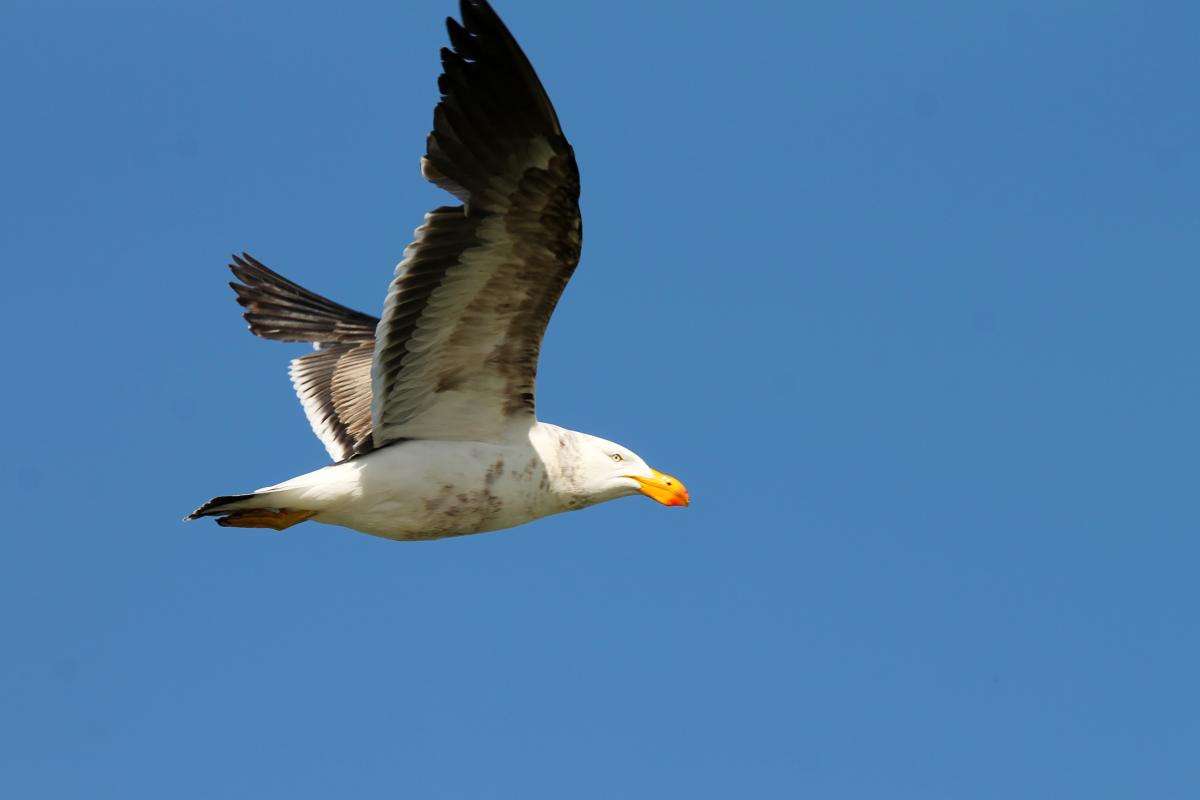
(428, 413)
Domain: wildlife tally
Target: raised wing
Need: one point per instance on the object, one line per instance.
(457, 348)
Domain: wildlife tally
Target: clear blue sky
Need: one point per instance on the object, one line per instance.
(906, 293)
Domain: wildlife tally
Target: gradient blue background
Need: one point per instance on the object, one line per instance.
(906, 293)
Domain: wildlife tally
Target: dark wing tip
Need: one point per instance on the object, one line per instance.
(277, 308)
(479, 13)
(492, 109)
(460, 39)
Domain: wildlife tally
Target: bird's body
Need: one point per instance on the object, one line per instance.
(428, 411)
(431, 489)
(476, 487)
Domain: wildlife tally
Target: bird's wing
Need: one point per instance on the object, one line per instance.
(457, 348)
(334, 383)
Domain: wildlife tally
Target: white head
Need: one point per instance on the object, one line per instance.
(603, 470)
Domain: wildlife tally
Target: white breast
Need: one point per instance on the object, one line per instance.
(425, 489)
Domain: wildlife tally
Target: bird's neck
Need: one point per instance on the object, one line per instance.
(559, 449)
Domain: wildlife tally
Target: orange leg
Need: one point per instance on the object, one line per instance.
(265, 518)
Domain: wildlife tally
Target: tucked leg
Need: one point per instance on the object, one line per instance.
(265, 518)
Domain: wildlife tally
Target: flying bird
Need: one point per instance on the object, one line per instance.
(428, 412)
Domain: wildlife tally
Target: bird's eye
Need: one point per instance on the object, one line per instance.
(617, 457)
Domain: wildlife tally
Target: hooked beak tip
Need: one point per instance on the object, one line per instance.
(663, 488)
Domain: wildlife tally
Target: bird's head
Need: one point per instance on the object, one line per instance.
(611, 470)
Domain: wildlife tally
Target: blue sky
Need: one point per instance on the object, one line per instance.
(905, 293)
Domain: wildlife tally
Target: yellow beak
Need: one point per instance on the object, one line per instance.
(663, 488)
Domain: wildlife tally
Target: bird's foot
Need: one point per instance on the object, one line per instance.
(265, 518)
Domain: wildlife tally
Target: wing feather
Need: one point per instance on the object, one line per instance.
(334, 383)
(457, 347)
(334, 387)
(455, 354)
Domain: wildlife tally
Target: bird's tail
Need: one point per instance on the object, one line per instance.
(262, 509)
